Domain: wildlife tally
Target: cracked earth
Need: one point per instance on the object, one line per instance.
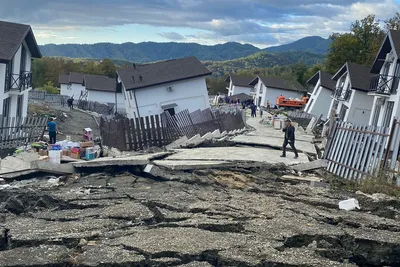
(203, 218)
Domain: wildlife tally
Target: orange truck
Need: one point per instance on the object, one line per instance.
(281, 101)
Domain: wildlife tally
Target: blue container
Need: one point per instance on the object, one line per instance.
(89, 155)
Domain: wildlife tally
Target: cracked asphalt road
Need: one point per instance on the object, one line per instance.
(204, 218)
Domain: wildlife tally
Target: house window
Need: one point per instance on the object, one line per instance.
(377, 112)
(388, 114)
(259, 101)
(130, 94)
(6, 107)
(69, 86)
(395, 83)
(9, 76)
(335, 104)
(20, 105)
(343, 112)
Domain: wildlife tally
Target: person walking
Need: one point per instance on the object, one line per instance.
(253, 110)
(70, 102)
(261, 112)
(268, 105)
(289, 138)
(52, 126)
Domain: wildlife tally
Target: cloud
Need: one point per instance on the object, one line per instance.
(262, 22)
(174, 36)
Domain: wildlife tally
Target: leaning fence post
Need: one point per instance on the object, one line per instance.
(389, 144)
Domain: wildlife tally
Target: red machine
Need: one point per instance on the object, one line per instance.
(281, 101)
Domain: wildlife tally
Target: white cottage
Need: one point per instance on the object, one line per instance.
(270, 88)
(321, 94)
(239, 84)
(385, 82)
(17, 48)
(71, 84)
(350, 98)
(172, 86)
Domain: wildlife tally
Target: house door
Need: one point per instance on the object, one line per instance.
(6, 107)
(171, 111)
(377, 112)
(259, 101)
(343, 112)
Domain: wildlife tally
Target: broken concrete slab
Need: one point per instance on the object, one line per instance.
(45, 166)
(317, 164)
(207, 136)
(301, 178)
(237, 154)
(137, 160)
(224, 133)
(216, 134)
(185, 165)
(21, 162)
(178, 143)
(195, 140)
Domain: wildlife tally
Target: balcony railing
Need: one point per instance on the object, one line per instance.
(19, 82)
(384, 84)
(341, 94)
(253, 91)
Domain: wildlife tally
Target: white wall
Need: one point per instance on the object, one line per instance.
(240, 89)
(360, 107)
(319, 102)
(271, 94)
(14, 95)
(189, 94)
(107, 97)
(75, 90)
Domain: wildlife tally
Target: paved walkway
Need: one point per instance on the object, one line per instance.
(267, 136)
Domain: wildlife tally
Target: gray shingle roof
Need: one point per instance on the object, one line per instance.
(360, 76)
(75, 77)
(11, 37)
(63, 79)
(279, 83)
(241, 96)
(326, 80)
(99, 83)
(240, 80)
(162, 72)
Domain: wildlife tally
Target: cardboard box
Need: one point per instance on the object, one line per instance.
(87, 144)
(75, 156)
(43, 152)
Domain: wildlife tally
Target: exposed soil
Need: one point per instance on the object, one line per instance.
(72, 125)
(206, 218)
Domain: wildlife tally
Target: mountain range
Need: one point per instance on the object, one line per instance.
(151, 51)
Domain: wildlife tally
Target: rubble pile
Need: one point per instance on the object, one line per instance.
(230, 217)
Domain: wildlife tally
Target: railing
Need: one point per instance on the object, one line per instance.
(384, 84)
(341, 94)
(253, 91)
(20, 82)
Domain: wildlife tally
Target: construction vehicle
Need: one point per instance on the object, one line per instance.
(283, 102)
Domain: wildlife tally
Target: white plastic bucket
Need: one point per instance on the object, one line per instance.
(350, 204)
(55, 156)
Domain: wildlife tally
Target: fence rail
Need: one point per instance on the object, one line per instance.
(97, 107)
(53, 99)
(18, 131)
(355, 151)
(160, 130)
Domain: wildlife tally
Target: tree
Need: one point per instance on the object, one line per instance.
(393, 23)
(359, 46)
(49, 88)
(108, 68)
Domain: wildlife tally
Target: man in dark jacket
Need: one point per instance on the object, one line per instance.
(289, 138)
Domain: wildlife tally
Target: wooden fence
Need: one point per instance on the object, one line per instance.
(97, 107)
(18, 131)
(160, 130)
(355, 151)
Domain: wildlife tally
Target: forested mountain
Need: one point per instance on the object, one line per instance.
(150, 51)
(263, 60)
(311, 44)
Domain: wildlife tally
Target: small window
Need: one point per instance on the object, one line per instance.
(130, 94)
(69, 87)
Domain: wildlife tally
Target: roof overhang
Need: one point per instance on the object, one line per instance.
(168, 106)
(385, 48)
(315, 78)
(254, 81)
(340, 72)
(228, 79)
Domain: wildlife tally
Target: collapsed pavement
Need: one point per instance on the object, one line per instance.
(240, 216)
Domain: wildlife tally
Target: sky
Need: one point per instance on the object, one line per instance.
(261, 23)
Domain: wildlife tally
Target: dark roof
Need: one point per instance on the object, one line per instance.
(326, 80)
(279, 83)
(360, 76)
(239, 80)
(75, 77)
(392, 40)
(137, 77)
(241, 96)
(99, 83)
(63, 79)
(11, 37)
